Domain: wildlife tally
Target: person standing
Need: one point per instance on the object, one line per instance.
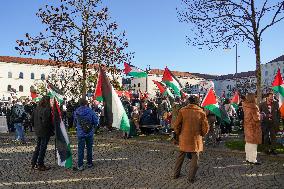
(85, 120)
(252, 128)
(269, 110)
(17, 118)
(190, 126)
(44, 129)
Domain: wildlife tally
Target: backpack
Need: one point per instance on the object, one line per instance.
(18, 114)
(85, 124)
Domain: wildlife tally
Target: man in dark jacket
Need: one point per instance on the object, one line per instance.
(42, 123)
(270, 122)
(85, 119)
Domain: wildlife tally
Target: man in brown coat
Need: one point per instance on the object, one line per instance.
(191, 125)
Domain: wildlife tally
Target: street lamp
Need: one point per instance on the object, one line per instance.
(236, 62)
(147, 71)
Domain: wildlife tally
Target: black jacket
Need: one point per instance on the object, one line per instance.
(42, 122)
(275, 119)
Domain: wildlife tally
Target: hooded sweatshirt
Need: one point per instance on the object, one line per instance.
(88, 114)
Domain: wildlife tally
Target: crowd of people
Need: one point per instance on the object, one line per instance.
(182, 118)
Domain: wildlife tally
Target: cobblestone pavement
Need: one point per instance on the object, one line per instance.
(130, 164)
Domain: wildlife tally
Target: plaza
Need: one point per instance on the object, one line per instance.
(138, 163)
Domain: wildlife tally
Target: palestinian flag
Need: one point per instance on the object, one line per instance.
(171, 81)
(62, 146)
(133, 71)
(210, 103)
(235, 101)
(35, 97)
(98, 92)
(54, 92)
(163, 89)
(114, 110)
(278, 86)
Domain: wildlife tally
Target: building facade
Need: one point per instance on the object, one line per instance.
(19, 75)
(196, 83)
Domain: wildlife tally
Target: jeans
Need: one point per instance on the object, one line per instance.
(89, 140)
(40, 150)
(19, 131)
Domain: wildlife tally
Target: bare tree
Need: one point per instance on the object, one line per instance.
(78, 31)
(216, 23)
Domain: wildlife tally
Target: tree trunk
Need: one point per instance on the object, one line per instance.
(84, 86)
(84, 65)
(257, 53)
(258, 72)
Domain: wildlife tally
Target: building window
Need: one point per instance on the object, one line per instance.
(266, 73)
(42, 77)
(21, 75)
(21, 88)
(32, 76)
(134, 85)
(9, 88)
(10, 74)
(138, 85)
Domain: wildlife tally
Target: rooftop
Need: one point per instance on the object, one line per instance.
(280, 58)
(34, 61)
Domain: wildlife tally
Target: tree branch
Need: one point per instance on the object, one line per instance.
(274, 21)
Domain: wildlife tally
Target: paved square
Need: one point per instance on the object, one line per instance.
(133, 163)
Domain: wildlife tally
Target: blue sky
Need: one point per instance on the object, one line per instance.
(153, 32)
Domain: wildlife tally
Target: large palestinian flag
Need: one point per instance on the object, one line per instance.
(54, 92)
(171, 81)
(163, 89)
(235, 101)
(63, 150)
(133, 71)
(114, 110)
(278, 86)
(210, 103)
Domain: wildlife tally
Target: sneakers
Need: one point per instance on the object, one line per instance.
(80, 168)
(34, 167)
(90, 165)
(253, 163)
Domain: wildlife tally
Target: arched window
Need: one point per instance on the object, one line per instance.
(10, 75)
(21, 75)
(138, 84)
(42, 77)
(9, 88)
(21, 88)
(32, 76)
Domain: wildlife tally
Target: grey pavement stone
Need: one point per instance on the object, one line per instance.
(134, 164)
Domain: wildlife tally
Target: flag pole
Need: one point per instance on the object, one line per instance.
(55, 129)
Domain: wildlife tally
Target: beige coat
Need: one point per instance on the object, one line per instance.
(191, 125)
(252, 128)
